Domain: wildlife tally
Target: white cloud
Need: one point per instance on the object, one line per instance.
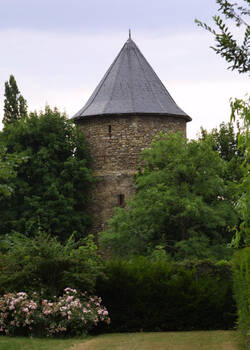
(208, 104)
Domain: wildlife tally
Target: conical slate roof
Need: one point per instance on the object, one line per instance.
(130, 87)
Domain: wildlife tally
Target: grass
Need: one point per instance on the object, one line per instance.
(202, 340)
(21, 343)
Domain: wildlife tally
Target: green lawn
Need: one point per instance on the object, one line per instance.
(203, 340)
(19, 343)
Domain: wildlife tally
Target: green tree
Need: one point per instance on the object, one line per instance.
(225, 141)
(15, 106)
(181, 197)
(234, 52)
(52, 188)
(8, 165)
(241, 111)
(238, 55)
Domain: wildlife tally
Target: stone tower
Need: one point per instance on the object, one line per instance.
(127, 109)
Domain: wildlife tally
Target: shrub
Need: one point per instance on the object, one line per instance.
(42, 264)
(241, 284)
(71, 314)
(162, 296)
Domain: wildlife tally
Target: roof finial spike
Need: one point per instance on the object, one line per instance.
(129, 34)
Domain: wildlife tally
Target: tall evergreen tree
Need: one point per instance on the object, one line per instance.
(15, 106)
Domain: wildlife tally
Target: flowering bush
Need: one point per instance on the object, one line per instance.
(18, 312)
(73, 313)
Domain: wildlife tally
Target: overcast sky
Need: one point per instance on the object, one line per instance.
(58, 51)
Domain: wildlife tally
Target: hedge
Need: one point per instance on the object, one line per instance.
(142, 295)
(241, 288)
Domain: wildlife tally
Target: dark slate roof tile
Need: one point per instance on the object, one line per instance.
(130, 86)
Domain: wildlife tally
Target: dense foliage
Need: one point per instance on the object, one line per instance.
(51, 188)
(225, 141)
(8, 166)
(15, 106)
(182, 203)
(238, 55)
(42, 264)
(241, 283)
(142, 295)
(241, 111)
(73, 313)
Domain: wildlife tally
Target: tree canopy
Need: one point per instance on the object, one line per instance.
(51, 189)
(8, 166)
(241, 111)
(181, 197)
(15, 106)
(225, 141)
(237, 54)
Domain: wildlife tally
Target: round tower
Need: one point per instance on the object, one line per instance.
(127, 109)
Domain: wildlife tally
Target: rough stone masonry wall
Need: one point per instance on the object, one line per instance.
(115, 146)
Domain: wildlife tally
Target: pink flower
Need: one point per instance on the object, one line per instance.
(69, 298)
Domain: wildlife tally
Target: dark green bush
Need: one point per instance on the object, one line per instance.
(162, 296)
(241, 287)
(44, 265)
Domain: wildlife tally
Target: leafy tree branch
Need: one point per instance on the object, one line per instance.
(234, 52)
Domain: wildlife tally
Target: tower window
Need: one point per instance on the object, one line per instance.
(110, 130)
(121, 200)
